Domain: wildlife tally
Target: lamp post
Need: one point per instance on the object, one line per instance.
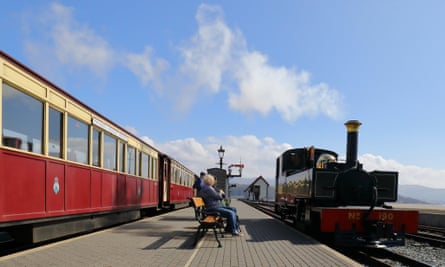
(222, 181)
(221, 174)
(221, 156)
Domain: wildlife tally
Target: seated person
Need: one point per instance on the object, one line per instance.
(212, 199)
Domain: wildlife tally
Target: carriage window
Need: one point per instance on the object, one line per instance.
(154, 168)
(77, 149)
(55, 133)
(176, 176)
(121, 156)
(131, 160)
(144, 165)
(96, 147)
(110, 144)
(179, 178)
(22, 117)
(151, 169)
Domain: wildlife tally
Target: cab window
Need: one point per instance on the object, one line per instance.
(294, 160)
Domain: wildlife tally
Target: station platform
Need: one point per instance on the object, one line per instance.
(167, 240)
(429, 214)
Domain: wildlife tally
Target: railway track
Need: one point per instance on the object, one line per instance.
(431, 235)
(381, 257)
(365, 256)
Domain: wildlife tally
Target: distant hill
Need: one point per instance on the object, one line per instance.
(407, 193)
(409, 200)
(422, 193)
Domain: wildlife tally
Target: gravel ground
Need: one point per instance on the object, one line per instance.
(423, 252)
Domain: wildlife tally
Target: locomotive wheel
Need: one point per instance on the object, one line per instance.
(296, 220)
(282, 211)
(299, 214)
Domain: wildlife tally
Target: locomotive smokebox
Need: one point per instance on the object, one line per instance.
(352, 142)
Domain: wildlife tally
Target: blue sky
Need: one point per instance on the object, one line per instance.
(257, 77)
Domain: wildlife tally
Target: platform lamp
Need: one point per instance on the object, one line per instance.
(221, 156)
(225, 179)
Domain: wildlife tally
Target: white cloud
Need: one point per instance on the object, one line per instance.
(206, 58)
(76, 46)
(71, 43)
(408, 174)
(145, 67)
(264, 88)
(188, 151)
(217, 57)
(208, 53)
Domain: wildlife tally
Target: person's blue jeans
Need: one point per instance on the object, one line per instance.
(230, 214)
(230, 208)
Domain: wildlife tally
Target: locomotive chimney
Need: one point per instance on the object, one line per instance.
(351, 148)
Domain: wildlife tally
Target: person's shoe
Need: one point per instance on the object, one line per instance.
(236, 233)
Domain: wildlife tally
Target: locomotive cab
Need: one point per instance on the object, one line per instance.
(296, 169)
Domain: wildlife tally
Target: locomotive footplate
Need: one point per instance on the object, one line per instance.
(378, 234)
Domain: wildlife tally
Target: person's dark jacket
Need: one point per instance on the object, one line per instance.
(211, 198)
(198, 184)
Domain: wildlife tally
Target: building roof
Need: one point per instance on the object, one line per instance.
(255, 181)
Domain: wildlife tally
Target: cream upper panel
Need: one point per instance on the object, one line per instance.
(31, 84)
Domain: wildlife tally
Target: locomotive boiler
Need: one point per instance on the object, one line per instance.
(316, 190)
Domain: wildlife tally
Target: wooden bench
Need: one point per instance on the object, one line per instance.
(207, 220)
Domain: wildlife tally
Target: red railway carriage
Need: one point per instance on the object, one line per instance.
(314, 189)
(62, 163)
(176, 183)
